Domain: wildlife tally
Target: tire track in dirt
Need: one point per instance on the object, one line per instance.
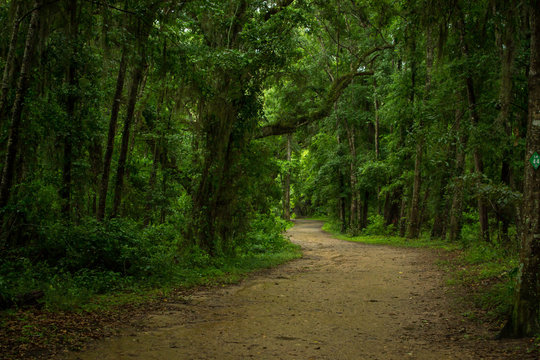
(342, 300)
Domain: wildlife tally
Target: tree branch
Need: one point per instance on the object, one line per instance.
(19, 20)
(338, 87)
(276, 9)
(287, 127)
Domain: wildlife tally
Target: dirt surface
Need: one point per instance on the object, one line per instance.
(342, 300)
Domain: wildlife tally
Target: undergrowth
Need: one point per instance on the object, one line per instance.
(97, 265)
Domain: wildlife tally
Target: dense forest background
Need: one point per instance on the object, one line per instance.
(143, 136)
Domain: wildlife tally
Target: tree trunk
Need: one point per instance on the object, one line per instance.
(376, 138)
(391, 208)
(414, 217)
(343, 206)
(413, 229)
(9, 67)
(402, 216)
(507, 53)
(525, 315)
(152, 182)
(22, 87)
(155, 145)
(287, 183)
(354, 213)
(439, 223)
(164, 182)
(376, 107)
(456, 209)
(342, 202)
(478, 164)
(143, 32)
(414, 221)
(365, 208)
(482, 207)
(110, 136)
(212, 214)
(71, 80)
(96, 158)
(423, 206)
(130, 111)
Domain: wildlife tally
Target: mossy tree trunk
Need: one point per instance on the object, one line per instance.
(525, 315)
(214, 198)
(22, 88)
(9, 66)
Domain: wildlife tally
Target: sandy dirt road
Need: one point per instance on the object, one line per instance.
(342, 300)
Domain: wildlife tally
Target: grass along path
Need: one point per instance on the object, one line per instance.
(45, 333)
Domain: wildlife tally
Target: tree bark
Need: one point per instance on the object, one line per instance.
(9, 68)
(354, 210)
(364, 213)
(214, 196)
(287, 183)
(110, 136)
(413, 230)
(342, 201)
(22, 87)
(478, 163)
(130, 111)
(507, 54)
(438, 229)
(391, 208)
(456, 209)
(96, 158)
(115, 109)
(402, 216)
(71, 81)
(376, 107)
(376, 139)
(524, 320)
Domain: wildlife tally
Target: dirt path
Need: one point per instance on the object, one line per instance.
(341, 301)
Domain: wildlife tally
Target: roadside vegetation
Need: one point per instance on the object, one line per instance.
(102, 275)
(67, 269)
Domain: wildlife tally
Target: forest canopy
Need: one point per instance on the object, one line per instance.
(138, 134)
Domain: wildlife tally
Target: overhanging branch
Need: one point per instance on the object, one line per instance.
(338, 87)
(279, 7)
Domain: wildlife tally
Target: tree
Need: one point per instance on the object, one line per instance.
(115, 109)
(136, 80)
(22, 88)
(287, 182)
(9, 67)
(525, 318)
(72, 30)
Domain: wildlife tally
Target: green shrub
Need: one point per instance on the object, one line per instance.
(376, 226)
(265, 235)
(19, 276)
(71, 264)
